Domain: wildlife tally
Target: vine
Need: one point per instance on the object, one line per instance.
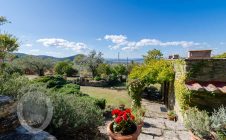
(182, 94)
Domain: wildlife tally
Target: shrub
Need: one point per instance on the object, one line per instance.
(113, 80)
(97, 78)
(135, 88)
(11, 84)
(65, 68)
(198, 122)
(52, 81)
(101, 103)
(218, 121)
(11, 68)
(73, 114)
(70, 89)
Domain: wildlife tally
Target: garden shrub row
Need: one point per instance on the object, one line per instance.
(204, 124)
(73, 112)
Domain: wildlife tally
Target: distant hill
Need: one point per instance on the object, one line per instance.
(47, 57)
(108, 60)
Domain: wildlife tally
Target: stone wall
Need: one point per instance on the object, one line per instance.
(203, 70)
(206, 69)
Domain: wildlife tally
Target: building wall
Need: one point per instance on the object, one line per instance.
(202, 70)
(205, 69)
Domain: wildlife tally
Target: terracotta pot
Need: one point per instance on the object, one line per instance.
(193, 136)
(114, 136)
(211, 137)
(172, 118)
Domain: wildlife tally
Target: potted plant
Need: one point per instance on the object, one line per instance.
(171, 115)
(123, 127)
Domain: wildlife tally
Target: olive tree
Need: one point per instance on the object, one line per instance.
(65, 67)
(35, 63)
(92, 61)
(153, 54)
(8, 44)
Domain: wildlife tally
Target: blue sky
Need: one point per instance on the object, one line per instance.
(132, 27)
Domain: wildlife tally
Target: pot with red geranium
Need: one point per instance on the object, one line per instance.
(123, 127)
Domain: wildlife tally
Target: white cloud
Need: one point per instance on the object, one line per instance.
(118, 39)
(99, 39)
(58, 42)
(28, 45)
(222, 43)
(121, 42)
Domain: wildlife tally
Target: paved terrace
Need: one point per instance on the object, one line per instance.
(157, 126)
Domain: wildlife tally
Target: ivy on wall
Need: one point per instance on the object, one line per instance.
(182, 94)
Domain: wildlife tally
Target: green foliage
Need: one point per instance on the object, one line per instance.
(223, 55)
(104, 69)
(198, 122)
(218, 119)
(73, 114)
(52, 81)
(65, 68)
(113, 80)
(8, 43)
(3, 20)
(139, 114)
(119, 69)
(79, 59)
(135, 88)
(11, 84)
(101, 103)
(11, 68)
(155, 71)
(70, 89)
(97, 78)
(197, 68)
(92, 61)
(40, 65)
(152, 54)
(182, 94)
(171, 113)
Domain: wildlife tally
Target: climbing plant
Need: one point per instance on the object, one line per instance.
(135, 88)
(155, 71)
(182, 94)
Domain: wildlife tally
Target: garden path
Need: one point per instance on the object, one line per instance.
(156, 125)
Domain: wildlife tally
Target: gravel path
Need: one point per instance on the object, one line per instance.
(156, 125)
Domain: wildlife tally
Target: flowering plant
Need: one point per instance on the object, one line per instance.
(123, 121)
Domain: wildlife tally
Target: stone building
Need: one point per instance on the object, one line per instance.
(205, 77)
(199, 54)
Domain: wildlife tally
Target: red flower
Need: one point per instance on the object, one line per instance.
(125, 116)
(128, 110)
(132, 117)
(118, 119)
(121, 113)
(116, 112)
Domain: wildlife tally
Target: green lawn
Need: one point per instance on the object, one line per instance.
(114, 97)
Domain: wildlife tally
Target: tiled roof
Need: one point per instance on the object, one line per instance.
(211, 86)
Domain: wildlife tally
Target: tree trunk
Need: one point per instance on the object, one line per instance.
(40, 72)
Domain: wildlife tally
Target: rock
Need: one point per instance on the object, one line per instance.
(8, 115)
(22, 134)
